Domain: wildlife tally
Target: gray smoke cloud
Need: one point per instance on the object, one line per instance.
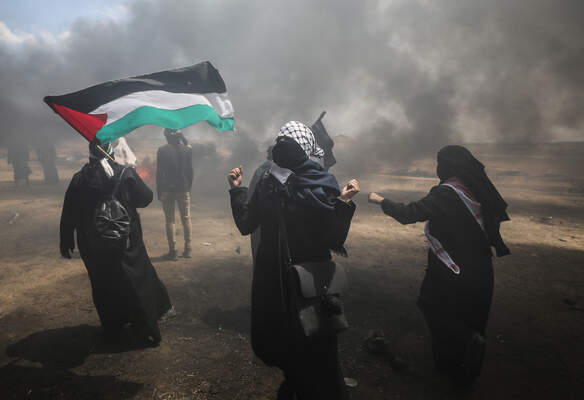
(402, 77)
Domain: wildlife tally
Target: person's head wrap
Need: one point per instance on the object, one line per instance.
(458, 161)
(173, 136)
(309, 185)
(97, 155)
(303, 136)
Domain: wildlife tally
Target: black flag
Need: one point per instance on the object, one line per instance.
(324, 141)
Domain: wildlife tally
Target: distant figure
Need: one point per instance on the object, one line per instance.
(174, 178)
(464, 213)
(47, 157)
(125, 285)
(18, 157)
(317, 215)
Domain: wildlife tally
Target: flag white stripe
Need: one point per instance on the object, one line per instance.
(121, 106)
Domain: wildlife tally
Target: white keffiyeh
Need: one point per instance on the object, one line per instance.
(303, 136)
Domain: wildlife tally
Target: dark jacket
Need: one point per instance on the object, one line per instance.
(311, 233)
(174, 169)
(125, 286)
(467, 296)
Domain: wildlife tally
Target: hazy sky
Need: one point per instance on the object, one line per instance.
(415, 74)
(56, 16)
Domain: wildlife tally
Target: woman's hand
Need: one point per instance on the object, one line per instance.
(235, 176)
(375, 198)
(350, 190)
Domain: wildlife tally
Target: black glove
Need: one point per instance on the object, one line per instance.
(66, 251)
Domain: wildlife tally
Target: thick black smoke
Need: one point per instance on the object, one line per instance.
(402, 76)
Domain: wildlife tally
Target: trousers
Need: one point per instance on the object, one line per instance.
(183, 200)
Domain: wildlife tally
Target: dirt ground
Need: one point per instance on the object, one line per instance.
(49, 331)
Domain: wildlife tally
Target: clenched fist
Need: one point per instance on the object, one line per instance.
(235, 177)
(375, 198)
(350, 190)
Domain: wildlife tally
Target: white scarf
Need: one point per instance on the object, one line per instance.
(436, 246)
(107, 168)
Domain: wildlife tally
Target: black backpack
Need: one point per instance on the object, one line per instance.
(111, 222)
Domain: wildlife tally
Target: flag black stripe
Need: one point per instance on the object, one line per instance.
(198, 78)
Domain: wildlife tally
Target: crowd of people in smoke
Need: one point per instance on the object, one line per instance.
(297, 215)
(17, 155)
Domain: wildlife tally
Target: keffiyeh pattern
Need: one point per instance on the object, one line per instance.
(303, 136)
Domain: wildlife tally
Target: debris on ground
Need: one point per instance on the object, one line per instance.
(13, 218)
(238, 250)
(377, 343)
(207, 244)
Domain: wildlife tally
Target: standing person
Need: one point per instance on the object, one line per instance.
(47, 157)
(174, 178)
(317, 217)
(125, 285)
(464, 213)
(18, 157)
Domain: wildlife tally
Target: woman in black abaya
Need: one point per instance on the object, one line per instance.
(317, 216)
(464, 213)
(124, 284)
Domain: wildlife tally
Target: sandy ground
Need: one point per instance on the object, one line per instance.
(49, 330)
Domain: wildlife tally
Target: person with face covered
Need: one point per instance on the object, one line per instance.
(125, 286)
(174, 179)
(317, 216)
(464, 213)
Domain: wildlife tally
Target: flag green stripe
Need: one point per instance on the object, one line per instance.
(173, 119)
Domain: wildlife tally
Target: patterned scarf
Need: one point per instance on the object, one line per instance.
(303, 136)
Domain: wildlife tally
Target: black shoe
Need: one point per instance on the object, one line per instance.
(147, 333)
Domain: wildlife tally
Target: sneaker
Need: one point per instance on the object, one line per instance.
(187, 253)
(171, 313)
(171, 256)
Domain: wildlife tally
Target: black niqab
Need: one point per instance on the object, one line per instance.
(458, 161)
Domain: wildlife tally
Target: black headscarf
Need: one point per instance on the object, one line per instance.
(458, 161)
(309, 185)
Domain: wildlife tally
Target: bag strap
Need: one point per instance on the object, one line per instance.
(118, 182)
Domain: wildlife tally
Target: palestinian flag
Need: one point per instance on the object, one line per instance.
(171, 99)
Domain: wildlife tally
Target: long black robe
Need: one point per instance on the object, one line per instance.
(311, 369)
(455, 306)
(125, 286)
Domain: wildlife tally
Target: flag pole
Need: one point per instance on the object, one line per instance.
(104, 152)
